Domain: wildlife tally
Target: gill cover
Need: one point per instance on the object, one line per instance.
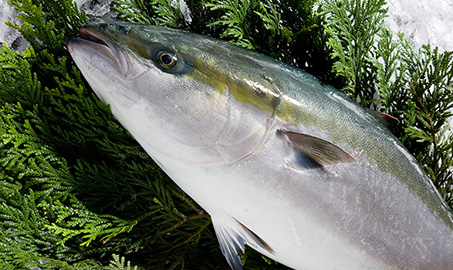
(204, 114)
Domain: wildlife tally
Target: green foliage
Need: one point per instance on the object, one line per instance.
(75, 187)
(429, 101)
(42, 26)
(273, 21)
(77, 220)
(118, 263)
(137, 11)
(234, 19)
(353, 27)
(172, 13)
(37, 183)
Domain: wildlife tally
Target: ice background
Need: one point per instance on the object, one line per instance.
(422, 22)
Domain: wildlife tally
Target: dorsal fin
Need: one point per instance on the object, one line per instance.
(232, 236)
(390, 122)
(314, 153)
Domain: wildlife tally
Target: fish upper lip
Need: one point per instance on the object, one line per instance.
(110, 49)
(91, 35)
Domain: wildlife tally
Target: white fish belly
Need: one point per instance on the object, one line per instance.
(337, 218)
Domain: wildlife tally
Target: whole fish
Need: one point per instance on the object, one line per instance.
(282, 163)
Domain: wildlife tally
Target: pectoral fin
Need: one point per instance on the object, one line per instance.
(314, 153)
(233, 236)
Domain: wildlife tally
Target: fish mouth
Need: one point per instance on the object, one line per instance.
(100, 44)
(89, 33)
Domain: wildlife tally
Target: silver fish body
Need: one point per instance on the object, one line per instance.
(282, 163)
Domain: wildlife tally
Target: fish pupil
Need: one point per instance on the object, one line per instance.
(167, 60)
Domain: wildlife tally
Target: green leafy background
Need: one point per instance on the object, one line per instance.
(77, 191)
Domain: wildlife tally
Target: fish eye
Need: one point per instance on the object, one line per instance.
(167, 60)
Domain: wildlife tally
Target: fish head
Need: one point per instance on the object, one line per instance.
(178, 94)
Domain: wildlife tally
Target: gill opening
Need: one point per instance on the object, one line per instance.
(227, 123)
(275, 102)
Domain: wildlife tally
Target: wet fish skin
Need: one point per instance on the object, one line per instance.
(282, 163)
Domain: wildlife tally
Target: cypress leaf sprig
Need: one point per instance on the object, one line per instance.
(234, 20)
(50, 25)
(133, 11)
(119, 263)
(353, 27)
(79, 222)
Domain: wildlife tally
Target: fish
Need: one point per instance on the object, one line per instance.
(283, 163)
